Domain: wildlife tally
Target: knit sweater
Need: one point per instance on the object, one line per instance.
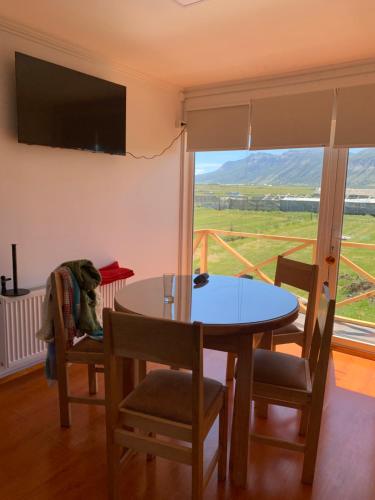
(88, 279)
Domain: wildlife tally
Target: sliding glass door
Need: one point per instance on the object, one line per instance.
(355, 309)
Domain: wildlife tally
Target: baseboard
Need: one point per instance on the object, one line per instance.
(21, 373)
(353, 351)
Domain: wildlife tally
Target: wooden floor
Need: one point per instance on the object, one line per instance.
(40, 461)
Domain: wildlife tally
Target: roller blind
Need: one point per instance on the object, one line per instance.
(218, 129)
(299, 120)
(355, 116)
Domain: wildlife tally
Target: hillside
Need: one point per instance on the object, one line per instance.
(293, 168)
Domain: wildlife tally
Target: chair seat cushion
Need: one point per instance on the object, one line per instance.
(88, 345)
(293, 328)
(281, 369)
(168, 394)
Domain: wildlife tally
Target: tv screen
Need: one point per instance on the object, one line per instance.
(60, 107)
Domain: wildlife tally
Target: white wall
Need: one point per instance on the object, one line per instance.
(59, 204)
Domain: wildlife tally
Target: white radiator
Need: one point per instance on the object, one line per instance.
(109, 291)
(20, 319)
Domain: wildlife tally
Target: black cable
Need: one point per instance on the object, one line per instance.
(143, 157)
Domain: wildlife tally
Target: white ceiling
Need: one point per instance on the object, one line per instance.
(210, 41)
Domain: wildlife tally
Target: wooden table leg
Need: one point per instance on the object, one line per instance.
(128, 376)
(140, 371)
(241, 412)
(261, 409)
(266, 341)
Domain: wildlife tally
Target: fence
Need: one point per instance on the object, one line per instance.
(202, 237)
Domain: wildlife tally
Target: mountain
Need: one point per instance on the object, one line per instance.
(293, 168)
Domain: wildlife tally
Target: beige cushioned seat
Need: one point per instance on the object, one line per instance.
(287, 329)
(281, 369)
(88, 345)
(168, 394)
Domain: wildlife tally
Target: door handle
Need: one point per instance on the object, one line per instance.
(330, 260)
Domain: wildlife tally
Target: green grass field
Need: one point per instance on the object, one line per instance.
(359, 228)
(220, 189)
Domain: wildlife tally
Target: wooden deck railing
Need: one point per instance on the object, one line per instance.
(202, 237)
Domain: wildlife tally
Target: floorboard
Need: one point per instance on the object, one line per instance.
(40, 461)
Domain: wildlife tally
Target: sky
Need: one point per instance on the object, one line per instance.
(210, 161)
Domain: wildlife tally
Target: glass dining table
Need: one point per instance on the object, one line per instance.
(234, 311)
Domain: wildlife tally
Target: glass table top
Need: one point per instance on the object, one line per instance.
(223, 300)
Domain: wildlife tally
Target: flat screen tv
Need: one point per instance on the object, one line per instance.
(60, 107)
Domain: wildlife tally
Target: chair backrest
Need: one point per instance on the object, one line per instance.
(304, 277)
(321, 341)
(161, 341)
(158, 340)
(58, 319)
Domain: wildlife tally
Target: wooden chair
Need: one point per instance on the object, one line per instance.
(175, 404)
(304, 277)
(86, 351)
(286, 380)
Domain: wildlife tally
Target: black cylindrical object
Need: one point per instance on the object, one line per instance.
(14, 262)
(15, 292)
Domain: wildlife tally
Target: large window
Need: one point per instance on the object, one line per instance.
(252, 206)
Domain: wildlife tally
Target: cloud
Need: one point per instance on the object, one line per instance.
(209, 165)
(203, 168)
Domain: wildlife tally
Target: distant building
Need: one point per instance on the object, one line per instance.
(354, 193)
(353, 206)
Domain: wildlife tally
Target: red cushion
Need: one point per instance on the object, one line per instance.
(114, 265)
(113, 272)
